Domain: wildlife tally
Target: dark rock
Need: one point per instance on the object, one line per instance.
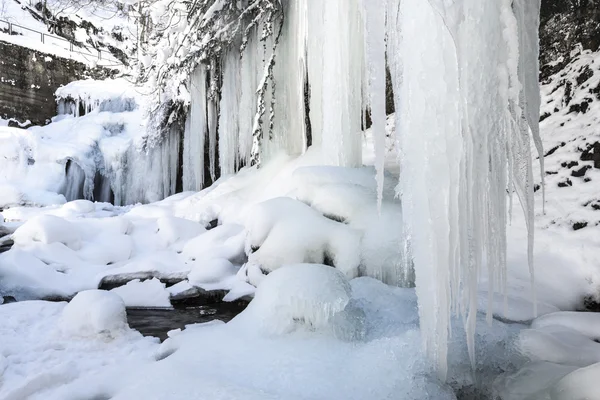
(113, 281)
(9, 299)
(544, 116)
(579, 108)
(592, 153)
(585, 74)
(565, 183)
(579, 225)
(570, 164)
(551, 172)
(536, 187)
(579, 173)
(551, 151)
(212, 224)
(587, 180)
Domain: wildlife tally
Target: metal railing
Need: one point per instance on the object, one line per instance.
(100, 56)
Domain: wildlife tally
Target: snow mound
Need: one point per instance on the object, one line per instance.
(47, 229)
(148, 293)
(172, 230)
(224, 241)
(211, 271)
(564, 359)
(94, 313)
(307, 296)
(285, 231)
(107, 248)
(582, 384)
(79, 207)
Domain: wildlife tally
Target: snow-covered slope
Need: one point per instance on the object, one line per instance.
(570, 125)
(97, 33)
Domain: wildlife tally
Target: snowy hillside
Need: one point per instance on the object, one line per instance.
(570, 120)
(98, 33)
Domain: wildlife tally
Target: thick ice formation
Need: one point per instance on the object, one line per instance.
(466, 96)
(464, 121)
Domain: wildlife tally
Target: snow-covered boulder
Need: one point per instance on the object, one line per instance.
(285, 231)
(94, 313)
(308, 297)
(48, 229)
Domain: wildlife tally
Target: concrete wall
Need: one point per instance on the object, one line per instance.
(29, 78)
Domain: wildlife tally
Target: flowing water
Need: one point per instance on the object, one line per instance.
(157, 322)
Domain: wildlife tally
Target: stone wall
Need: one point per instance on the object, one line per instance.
(29, 78)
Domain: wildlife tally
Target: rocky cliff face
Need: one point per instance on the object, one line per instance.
(567, 26)
(29, 78)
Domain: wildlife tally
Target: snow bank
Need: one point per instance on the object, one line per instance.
(38, 361)
(563, 355)
(94, 313)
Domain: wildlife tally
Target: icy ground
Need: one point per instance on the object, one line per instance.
(312, 331)
(304, 340)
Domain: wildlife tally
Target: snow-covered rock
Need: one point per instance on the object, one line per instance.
(148, 293)
(285, 231)
(303, 296)
(94, 313)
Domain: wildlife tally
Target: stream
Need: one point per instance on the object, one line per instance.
(158, 321)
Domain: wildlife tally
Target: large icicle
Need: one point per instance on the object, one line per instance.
(228, 118)
(374, 26)
(335, 70)
(195, 133)
(464, 137)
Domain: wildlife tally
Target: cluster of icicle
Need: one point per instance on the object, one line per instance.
(465, 80)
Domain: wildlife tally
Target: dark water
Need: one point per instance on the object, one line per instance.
(157, 322)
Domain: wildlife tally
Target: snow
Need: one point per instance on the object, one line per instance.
(93, 313)
(47, 229)
(286, 231)
(39, 361)
(148, 293)
(94, 24)
(563, 355)
(211, 271)
(308, 296)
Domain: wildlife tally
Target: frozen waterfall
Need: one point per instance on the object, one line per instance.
(464, 75)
